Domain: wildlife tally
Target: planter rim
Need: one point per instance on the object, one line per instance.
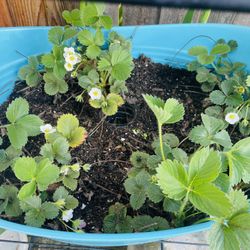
(110, 239)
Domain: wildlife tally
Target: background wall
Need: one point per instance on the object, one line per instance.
(48, 12)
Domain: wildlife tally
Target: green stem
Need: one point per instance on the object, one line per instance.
(183, 205)
(161, 141)
(5, 126)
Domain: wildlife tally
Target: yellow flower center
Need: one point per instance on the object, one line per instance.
(232, 116)
(47, 130)
(95, 93)
(241, 90)
(72, 58)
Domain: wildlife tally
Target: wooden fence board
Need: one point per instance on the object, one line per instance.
(48, 12)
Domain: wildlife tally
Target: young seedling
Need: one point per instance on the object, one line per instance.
(168, 112)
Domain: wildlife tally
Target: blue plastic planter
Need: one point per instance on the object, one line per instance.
(162, 43)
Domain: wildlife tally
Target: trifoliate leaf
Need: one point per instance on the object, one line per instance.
(118, 62)
(117, 220)
(166, 113)
(173, 179)
(57, 35)
(30, 73)
(54, 85)
(73, 17)
(199, 135)
(136, 186)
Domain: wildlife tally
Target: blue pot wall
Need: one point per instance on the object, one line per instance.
(162, 43)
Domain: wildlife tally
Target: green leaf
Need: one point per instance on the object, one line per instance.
(170, 205)
(212, 124)
(55, 35)
(109, 107)
(222, 238)
(54, 85)
(119, 63)
(25, 168)
(93, 51)
(154, 193)
(239, 201)
(50, 211)
(197, 50)
(17, 109)
(46, 173)
(9, 202)
(217, 97)
(86, 37)
(68, 126)
(117, 220)
(31, 124)
(200, 135)
(223, 182)
(139, 159)
(239, 160)
(48, 60)
(145, 223)
(172, 179)
(205, 59)
(17, 135)
(211, 200)
(8, 156)
(70, 183)
(106, 22)
(220, 49)
(166, 113)
(136, 186)
(205, 166)
(27, 190)
(73, 17)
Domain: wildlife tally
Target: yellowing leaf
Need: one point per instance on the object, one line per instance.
(77, 137)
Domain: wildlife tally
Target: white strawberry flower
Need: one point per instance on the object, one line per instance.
(68, 51)
(95, 94)
(47, 129)
(72, 59)
(68, 66)
(67, 215)
(232, 118)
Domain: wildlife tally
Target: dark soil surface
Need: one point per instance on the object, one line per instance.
(108, 147)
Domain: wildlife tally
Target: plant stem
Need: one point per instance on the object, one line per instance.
(5, 126)
(183, 205)
(161, 141)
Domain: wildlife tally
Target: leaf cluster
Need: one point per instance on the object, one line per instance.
(117, 221)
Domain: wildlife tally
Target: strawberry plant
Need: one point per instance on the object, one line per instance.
(100, 65)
